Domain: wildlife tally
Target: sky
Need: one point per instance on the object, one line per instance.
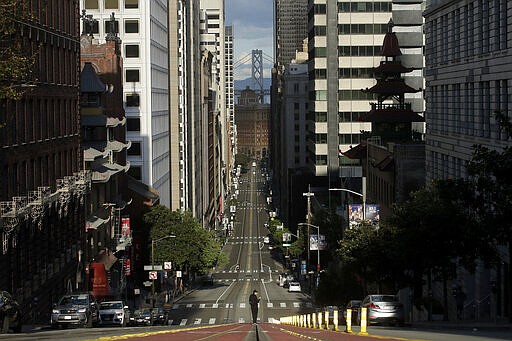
(252, 22)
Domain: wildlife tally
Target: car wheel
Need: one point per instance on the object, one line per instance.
(88, 323)
(17, 329)
(5, 325)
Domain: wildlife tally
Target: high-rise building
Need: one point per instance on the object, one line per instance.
(43, 188)
(230, 98)
(468, 78)
(142, 27)
(291, 18)
(185, 98)
(345, 40)
(213, 40)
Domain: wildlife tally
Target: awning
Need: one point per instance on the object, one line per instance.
(147, 192)
(97, 219)
(103, 172)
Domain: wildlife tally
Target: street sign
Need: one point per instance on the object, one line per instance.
(287, 245)
(153, 275)
(152, 267)
(146, 284)
(178, 273)
(167, 265)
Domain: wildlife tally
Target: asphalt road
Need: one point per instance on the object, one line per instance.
(222, 311)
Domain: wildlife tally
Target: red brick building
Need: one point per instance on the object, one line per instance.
(252, 122)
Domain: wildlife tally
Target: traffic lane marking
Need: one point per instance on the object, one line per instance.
(164, 334)
(325, 335)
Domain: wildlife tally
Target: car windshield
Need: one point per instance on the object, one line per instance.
(384, 298)
(111, 305)
(74, 300)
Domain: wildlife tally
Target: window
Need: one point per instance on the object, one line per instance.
(132, 75)
(132, 51)
(133, 124)
(107, 24)
(132, 100)
(111, 4)
(131, 26)
(321, 95)
(320, 117)
(129, 4)
(135, 149)
(320, 30)
(135, 172)
(91, 4)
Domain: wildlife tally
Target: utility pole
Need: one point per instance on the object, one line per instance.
(309, 194)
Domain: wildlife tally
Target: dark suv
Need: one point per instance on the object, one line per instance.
(75, 309)
(10, 313)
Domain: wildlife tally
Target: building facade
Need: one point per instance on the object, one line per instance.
(142, 27)
(42, 185)
(345, 40)
(468, 77)
(468, 47)
(252, 121)
(290, 24)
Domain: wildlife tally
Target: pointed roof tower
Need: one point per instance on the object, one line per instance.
(392, 121)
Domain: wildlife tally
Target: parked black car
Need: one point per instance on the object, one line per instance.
(77, 310)
(10, 313)
(141, 317)
(159, 316)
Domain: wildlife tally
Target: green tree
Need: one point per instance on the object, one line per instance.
(490, 179)
(193, 248)
(16, 58)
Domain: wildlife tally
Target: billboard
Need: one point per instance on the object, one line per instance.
(125, 227)
(355, 214)
(317, 242)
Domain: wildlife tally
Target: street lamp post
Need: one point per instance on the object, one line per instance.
(153, 242)
(318, 243)
(363, 195)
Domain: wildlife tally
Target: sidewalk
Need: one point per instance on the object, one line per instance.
(33, 328)
(501, 325)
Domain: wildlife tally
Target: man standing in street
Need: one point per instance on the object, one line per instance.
(253, 301)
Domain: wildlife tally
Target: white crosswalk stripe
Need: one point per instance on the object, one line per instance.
(189, 305)
(183, 322)
(175, 306)
(270, 305)
(296, 304)
(215, 305)
(242, 305)
(212, 320)
(241, 320)
(202, 305)
(197, 321)
(282, 305)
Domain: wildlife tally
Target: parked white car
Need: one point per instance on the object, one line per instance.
(294, 287)
(114, 313)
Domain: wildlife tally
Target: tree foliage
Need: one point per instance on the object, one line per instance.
(16, 61)
(192, 248)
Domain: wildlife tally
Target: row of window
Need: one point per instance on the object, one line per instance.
(347, 51)
(130, 26)
(362, 6)
(111, 4)
(343, 73)
(343, 95)
(321, 116)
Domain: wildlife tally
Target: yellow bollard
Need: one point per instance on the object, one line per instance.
(363, 322)
(335, 320)
(349, 321)
(309, 320)
(320, 320)
(314, 320)
(326, 317)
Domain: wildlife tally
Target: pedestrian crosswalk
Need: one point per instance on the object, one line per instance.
(211, 321)
(177, 306)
